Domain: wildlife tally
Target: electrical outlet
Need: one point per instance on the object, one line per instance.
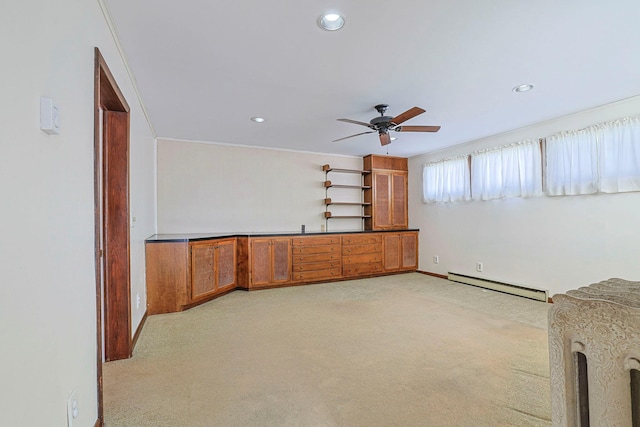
(138, 301)
(72, 408)
(479, 266)
(436, 259)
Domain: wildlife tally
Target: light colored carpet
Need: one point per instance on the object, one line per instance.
(403, 350)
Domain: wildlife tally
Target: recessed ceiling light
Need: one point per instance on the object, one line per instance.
(522, 88)
(257, 119)
(393, 138)
(331, 21)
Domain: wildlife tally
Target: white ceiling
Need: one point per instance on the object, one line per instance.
(205, 67)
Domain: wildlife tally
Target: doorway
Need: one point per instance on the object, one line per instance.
(111, 209)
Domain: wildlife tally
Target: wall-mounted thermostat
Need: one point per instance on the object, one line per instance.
(49, 116)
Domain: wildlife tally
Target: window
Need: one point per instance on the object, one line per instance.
(446, 180)
(511, 171)
(601, 158)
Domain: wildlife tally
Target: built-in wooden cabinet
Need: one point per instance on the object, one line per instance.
(212, 268)
(269, 261)
(361, 254)
(387, 195)
(400, 251)
(316, 258)
(184, 273)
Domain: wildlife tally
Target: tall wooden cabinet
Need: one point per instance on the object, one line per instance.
(387, 207)
(270, 261)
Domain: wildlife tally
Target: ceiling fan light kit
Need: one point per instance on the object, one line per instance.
(384, 124)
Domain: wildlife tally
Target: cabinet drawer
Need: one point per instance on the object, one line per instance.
(362, 239)
(328, 256)
(361, 259)
(316, 249)
(314, 241)
(317, 275)
(361, 249)
(361, 269)
(313, 266)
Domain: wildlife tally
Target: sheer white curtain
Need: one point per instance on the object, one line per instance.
(619, 155)
(446, 180)
(572, 163)
(511, 171)
(604, 157)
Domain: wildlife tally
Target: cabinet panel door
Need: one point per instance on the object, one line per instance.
(281, 260)
(399, 203)
(260, 262)
(202, 278)
(392, 252)
(382, 201)
(410, 250)
(226, 264)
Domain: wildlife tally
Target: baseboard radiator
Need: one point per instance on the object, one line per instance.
(536, 294)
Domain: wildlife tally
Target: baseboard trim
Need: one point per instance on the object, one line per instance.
(134, 341)
(98, 423)
(428, 273)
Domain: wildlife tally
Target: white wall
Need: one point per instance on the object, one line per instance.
(222, 188)
(553, 243)
(47, 294)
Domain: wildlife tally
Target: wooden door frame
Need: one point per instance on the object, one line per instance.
(108, 97)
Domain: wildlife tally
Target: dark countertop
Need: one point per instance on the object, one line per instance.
(192, 237)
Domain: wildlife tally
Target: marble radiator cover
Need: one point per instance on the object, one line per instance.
(601, 321)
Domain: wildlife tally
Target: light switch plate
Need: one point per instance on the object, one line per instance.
(49, 116)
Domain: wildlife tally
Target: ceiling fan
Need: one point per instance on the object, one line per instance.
(384, 124)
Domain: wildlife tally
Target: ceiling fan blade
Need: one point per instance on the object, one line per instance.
(355, 122)
(417, 128)
(409, 114)
(385, 139)
(346, 137)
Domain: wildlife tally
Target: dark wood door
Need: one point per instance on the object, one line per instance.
(117, 292)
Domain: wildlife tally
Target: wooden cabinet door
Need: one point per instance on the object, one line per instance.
(225, 264)
(401, 251)
(399, 214)
(213, 267)
(409, 250)
(381, 201)
(392, 252)
(203, 280)
(281, 260)
(260, 262)
(270, 261)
